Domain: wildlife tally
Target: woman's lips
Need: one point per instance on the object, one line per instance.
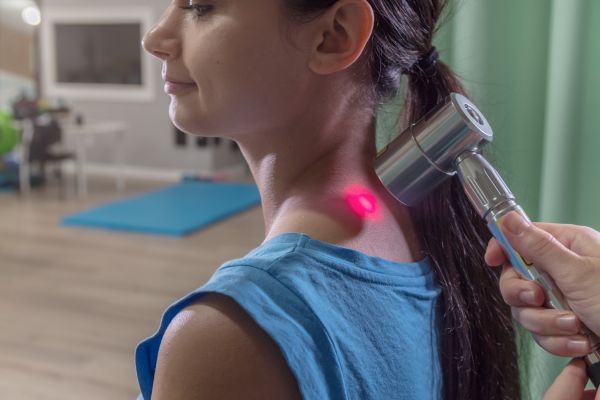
(178, 87)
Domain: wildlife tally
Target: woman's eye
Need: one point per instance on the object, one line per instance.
(199, 9)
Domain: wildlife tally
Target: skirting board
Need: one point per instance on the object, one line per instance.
(234, 172)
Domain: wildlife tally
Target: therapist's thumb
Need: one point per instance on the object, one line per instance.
(570, 384)
(537, 246)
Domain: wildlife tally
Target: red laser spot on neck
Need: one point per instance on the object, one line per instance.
(362, 202)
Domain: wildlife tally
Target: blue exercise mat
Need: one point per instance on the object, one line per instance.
(174, 211)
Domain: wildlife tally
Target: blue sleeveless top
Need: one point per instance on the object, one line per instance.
(349, 325)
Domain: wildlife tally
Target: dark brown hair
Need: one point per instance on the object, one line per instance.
(477, 346)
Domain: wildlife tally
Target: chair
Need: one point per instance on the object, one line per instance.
(40, 135)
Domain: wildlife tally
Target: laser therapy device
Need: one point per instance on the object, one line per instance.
(447, 142)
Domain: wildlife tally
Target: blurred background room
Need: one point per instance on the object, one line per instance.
(108, 213)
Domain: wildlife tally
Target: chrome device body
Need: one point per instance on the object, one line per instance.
(448, 142)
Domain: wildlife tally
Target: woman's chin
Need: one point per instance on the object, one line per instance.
(193, 128)
(191, 121)
(185, 120)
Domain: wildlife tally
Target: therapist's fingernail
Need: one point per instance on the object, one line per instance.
(527, 296)
(515, 223)
(579, 346)
(567, 322)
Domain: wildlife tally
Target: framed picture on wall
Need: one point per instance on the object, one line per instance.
(95, 53)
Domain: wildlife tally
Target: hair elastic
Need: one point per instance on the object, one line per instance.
(425, 66)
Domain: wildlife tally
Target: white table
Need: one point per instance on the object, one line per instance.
(83, 136)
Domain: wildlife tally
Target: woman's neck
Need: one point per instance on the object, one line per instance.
(336, 198)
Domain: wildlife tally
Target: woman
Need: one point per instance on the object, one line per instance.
(351, 295)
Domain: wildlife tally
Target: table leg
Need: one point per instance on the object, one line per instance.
(80, 166)
(119, 162)
(24, 166)
(24, 176)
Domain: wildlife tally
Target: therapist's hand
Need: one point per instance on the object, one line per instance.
(571, 256)
(570, 384)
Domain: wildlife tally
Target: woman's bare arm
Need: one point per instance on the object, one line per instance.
(214, 350)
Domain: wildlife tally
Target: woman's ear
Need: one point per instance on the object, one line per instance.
(341, 36)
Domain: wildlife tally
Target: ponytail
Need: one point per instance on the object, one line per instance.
(477, 345)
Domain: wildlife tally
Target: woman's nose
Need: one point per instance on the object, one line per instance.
(160, 43)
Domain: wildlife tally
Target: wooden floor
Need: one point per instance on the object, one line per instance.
(74, 302)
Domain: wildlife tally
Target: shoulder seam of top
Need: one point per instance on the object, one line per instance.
(292, 250)
(331, 342)
(268, 267)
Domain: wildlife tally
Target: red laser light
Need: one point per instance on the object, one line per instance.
(362, 202)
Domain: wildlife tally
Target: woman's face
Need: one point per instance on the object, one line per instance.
(243, 73)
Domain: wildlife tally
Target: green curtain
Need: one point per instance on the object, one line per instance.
(533, 68)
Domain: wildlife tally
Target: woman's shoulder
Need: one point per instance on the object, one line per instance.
(242, 325)
(214, 349)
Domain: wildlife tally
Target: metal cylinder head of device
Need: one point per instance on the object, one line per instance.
(423, 156)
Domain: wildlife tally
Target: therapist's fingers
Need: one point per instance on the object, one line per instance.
(547, 321)
(570, 384)
(494, 254)
(519, 292)
(564, 346)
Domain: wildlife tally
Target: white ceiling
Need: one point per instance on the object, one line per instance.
(10, 15)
